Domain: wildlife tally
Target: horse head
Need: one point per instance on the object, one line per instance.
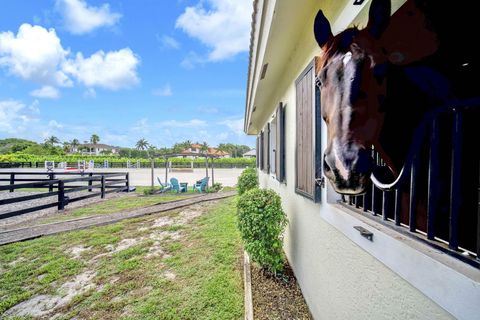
(351, 76)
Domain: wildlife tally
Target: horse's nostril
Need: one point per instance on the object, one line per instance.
(326, 167)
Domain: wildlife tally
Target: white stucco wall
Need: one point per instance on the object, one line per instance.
(338, 278)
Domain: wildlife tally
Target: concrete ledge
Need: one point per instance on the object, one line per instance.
(247, 287)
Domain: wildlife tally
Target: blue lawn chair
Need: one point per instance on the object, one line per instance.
(176, 186)
(201, 185)
(164, 187)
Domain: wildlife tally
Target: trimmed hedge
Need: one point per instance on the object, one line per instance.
(21, 157)
(261, 222)
(247, 180)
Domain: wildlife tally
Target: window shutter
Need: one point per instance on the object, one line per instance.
(260, 153)
(280, 143)
(257, 153)
(308, 148)
(267, 148)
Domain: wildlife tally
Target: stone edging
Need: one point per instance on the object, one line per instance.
(247, 287)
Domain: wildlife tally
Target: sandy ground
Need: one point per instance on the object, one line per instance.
(142, 177)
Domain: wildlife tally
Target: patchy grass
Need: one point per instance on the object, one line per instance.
(111, 206)
(186, 269)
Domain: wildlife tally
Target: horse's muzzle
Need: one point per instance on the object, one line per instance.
(349, 176)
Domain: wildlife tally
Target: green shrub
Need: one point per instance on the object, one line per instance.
(261, 222)
(247, 180)
(149, 191)
(217, 186)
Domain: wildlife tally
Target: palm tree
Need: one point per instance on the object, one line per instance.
(74, 144)
(204, 150)
(67, 146)
(94, 139)
(51, 141)
(143, 144)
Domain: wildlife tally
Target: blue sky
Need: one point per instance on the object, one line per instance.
(165, 71)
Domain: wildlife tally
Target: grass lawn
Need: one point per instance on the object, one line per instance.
(112, 205)
(183, 264)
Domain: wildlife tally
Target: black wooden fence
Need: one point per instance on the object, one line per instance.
(97, 184)
(438, 185)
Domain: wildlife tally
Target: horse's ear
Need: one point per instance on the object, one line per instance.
(379, 17)
(321, 29)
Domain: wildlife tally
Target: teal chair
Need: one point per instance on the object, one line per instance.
(176, 186)
(164, 187)
(201, 185)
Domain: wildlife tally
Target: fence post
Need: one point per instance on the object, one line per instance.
(128, 181)
(12, 181)
(102, 195)
(61, 195)
(90, 181)
(50, 186)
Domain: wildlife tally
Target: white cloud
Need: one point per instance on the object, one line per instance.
(165, 91)
(34, 54)
(113, 70)
(13, 116)
(191, 60)
(90, 93)
(47, 92)
(168, 42)
(235, 125)
(194, 123)
(80, 18)
(142, 126)
(53, 124)
(224, 28)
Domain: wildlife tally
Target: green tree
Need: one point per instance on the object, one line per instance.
(74, 143)
(94, 139)
(143, 144)
(51, 141)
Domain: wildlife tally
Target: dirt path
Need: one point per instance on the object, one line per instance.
(81, 223)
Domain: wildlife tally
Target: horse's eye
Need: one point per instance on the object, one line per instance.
(351, 79)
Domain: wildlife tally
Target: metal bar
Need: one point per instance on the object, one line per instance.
(384, 205)
(397, 206)
(412, 209)
(478, 222)
(433, 180)
(29, 197)
(12, 181)
(455, 187)
(365, 197)
(373, 200)
(27, 210)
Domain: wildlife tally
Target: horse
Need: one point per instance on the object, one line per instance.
(377, 84)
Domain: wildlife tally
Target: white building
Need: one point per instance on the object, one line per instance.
(250, 154)
(95, 149)
(342, 274)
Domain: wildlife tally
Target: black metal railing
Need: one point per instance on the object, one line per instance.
(59, 189)
(436, 196)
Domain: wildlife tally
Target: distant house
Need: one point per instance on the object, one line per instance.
(95, 149)
(195, 151)
(250, 154)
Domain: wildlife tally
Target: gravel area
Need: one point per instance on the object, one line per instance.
(7, 223)
(277, 298)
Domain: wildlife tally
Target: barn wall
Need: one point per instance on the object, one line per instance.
(339, 279)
